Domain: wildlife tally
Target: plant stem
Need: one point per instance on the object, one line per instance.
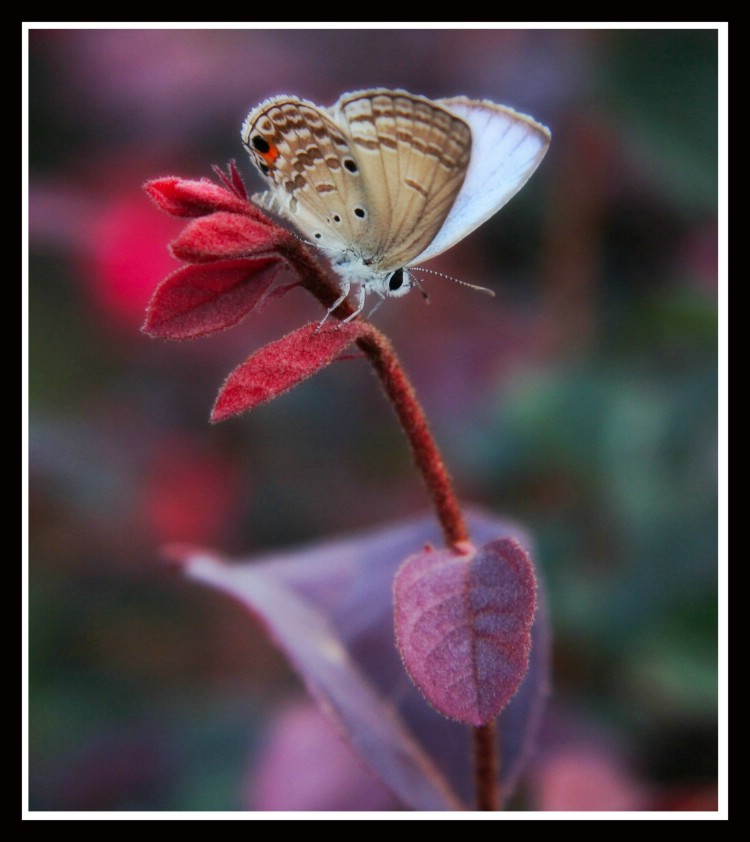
(383, 358)
(423, 447)
(486, 767)
(429, 461)
(430, 464)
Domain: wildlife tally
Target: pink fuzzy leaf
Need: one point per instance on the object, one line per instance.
(463, 625)
(186, 197)
(282, 364)
(199, 300)
(225, 236)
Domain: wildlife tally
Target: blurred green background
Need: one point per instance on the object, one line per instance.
(582, 401)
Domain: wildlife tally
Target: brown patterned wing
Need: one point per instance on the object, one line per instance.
(313, 171)
(413, 155)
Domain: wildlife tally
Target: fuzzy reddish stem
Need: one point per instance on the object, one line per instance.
(424, 449)
(430, 463)
(399, 390)
(486, 767)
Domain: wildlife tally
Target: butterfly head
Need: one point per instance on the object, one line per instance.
(362, 276)
(363, 272)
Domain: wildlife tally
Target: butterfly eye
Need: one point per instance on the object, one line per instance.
(399, 283)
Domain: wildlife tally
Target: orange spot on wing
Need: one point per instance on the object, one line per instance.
(270, 156)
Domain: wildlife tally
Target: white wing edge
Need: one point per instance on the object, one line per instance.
(507, 147)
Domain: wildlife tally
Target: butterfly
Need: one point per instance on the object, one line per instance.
(384, 180)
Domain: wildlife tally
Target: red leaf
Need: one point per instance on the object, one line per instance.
(232, 179)
(199, 300)
(463, 625)
(186, 197)
(225, 236)
(280, 365)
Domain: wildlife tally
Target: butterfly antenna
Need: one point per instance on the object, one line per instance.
(476, 288)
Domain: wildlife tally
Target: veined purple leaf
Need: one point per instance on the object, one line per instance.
(330, 609)
(463, 625)
(335, 679)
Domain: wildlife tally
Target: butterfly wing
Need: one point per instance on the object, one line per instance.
(312, 170)
(413, 155)
(506, 149)
(387, 177)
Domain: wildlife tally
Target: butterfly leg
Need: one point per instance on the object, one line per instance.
(339, 300)
(377, 303)
(360, 305)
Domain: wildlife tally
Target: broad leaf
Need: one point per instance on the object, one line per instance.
(330, 609)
